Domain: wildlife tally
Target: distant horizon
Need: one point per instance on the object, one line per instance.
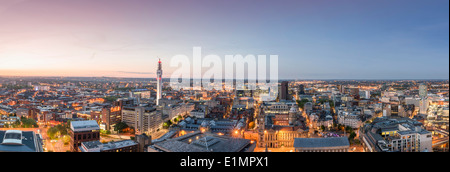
(313, 39)
(164, 78)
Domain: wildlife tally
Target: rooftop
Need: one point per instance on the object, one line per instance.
(84, 125)
(19, 141)
(203, 142)
(321, 142)
(96, 146)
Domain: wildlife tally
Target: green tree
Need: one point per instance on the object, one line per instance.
(352, 135)
(110, 98)
(62, 129)
(348, 129)
(301, 103)
(322, 128)
(66, 139)
(120, 126)
(52, 133)
(27, 123)
(167, 124)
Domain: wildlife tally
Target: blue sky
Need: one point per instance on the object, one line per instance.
(315, 39)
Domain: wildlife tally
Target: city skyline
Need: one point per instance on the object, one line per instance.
(314, 40)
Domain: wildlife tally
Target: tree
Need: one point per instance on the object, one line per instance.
(352, 135)
(322, 127)
(52, 133)
(62, 130)
(66, 139)
(26, 123)
(167, 124)
(120, 126)
(348, 129)
(301, 103)
(111, 98)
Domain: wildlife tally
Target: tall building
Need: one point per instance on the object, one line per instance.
(159, 79)
(423, 91)
(144, 120)
(302, 89)
(284, 94)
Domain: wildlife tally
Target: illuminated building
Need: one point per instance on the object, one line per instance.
(111, 116)
(278, 125)
(395, 134)
(144, 120)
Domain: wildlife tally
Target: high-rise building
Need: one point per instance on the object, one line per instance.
(423, 91)
(144, 120)
(159, 79)
(284, 94)
(302, 89)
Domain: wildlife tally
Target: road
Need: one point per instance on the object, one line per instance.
(440, 141)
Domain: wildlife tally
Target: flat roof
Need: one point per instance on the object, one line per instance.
(199, 142)
(29, 142)
(321, 142)
(84, 125)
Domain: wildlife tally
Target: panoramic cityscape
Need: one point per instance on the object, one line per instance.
(156, 76)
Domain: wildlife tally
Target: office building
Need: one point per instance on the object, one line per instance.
(423, 91)
(83, 131)
(144, 120)
(284, 91)
(395, 134)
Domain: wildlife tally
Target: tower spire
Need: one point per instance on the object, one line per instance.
(159, 84)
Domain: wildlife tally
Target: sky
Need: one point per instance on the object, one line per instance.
(314, 39)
